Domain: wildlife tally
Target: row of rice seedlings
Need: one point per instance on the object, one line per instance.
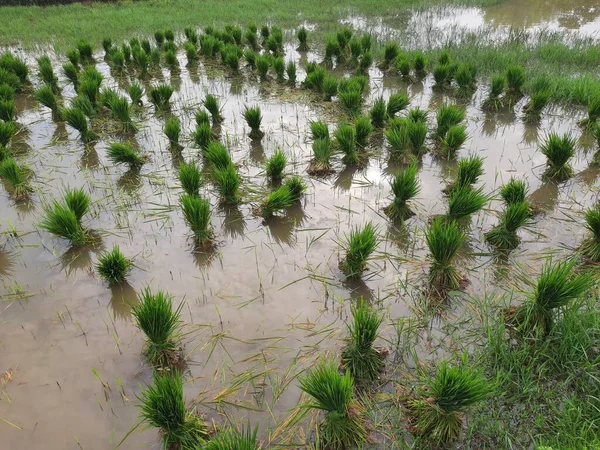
(125, 154)
(405, 187)
(113, 266)
(16, 176)
(46, 96)
(64, 219)
(283, 197)
(358, 247)
(406, 138)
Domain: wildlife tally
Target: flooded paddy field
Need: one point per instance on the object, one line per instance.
(268, 299)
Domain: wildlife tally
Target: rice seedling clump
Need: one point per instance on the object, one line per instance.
(322, 152)
(345, 139)
(253, 118)
(276, 165)
(405, 187)
(17, 176)
(444, 238)
(504, 235)
(196, 212)
(211, 104)
(515, 191)
(359, 245)
(172, 130)
(558, 150)
(113, 266)
(590, 247)
(190, 178)
(119, 153)
(62, 221)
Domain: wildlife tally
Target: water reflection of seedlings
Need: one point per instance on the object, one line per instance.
(80, 257)
(544, 199)
(257, 152)
(234, 224)
(7, 263)
(123, 298)
(345, 177)
(204, 256)
(89, 158)
(359, 291)
(130, 181)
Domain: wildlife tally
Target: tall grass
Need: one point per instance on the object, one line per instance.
(196, 212)
(504, 235)
(113, 266)
(590, 247)
(211, 104)
(17, 177)
(558, 150)
(444, 238)
(276, 165)
(405, 187)
(359, 245)
(253, 118)
(119, 153)
(190, 178)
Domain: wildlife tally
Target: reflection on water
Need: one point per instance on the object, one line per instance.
(7, 262)
(123, 298)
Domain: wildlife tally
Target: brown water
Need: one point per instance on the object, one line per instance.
(270, 298)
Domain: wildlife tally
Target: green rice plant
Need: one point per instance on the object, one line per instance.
(250, 57)
(17, 176)
(590, 247)
(362, 129)
(90, 81)
(120, 111)
(444, 57)
(343, 37)
(7, 131)
(76, 119)
(159, 37)
(417, 134)
(351, 100)
(403, 66)
(10, 79)
(202, 117)
(330, 87)
(444, 238)
(8, 110)
(191, 52)
(469, 171)
(253, 118)
(276, 165)
(211, 104)
(504, 235)
(515, 191)
(136, 92)
(160, 96)
(73, 57)
(190, 178)
(46, 97)
(134, 42)
(169, 35)
(345, 139)
(465, 77)
(366, 42)
(355, 49)
(191, 35)
(515, 78)
(296, 187)
(203, 135)
(417, 115)
(171, 59)
(172, 130)
(596, 135)
(279, 66)
(61, 221)
(319, 130)
(78, 201)
(378, 113)
(141, 59)
(117, 59)
(359, 356)
(106, 96)
(390, 52)
(265, 32)
(278, 200)
(119, 153)
(196, 212)
(537, 102)
(17, 66)
(251, 39)
(558, 285)
(438, 411)
(228, 183)
(343, 424)
(593, 112)
(465, 201)
(315, 78)
(290, 71)
(113, 266)
(4, 154)
(47, 73)
(396, 103)
(232, 60)
(447, 116)
(365, 62)
(322, 152)
(126, 49)
(154, 315)
(107, 45)
(84, 105)
(454, 140)
(359, 245)
(232, 439)
(302, 36)
(558, 150)
(419, 62)
(332, 49)
(398, 139)
(405, 187)
(168, 46)
(86, 51)
(441, 75)
(7, 92)
(262, 66)
(493, 101)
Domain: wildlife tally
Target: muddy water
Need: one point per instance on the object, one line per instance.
(271, 297)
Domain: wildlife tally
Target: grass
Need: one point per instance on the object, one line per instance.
(465, 201)
(322, 152)
(405, 187)
(62, 221)
(444, 238)
(362, 130)
(154, 315)
(359, 356)
(196, 212)
(447, 116)
(228, 183)
(590, 247)
(276, 165)
(113, 266)
(504, 235)
(345, 139)
(515, 79)
(17, 176)
(332, 393)
(75, 117)
(558, 150)
(253, 118)
(45, 96)
(514, 191)
(359, 245)
(190, 178)
(46, 72)
(211, 104)
(162, 406)
(172, 130)
(119, 153)
(119, 108)
(160, 96)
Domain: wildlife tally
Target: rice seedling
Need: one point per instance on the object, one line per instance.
(203, 135)
(107, 45)
(136, 92)
(78, 201)
(141, 59)
(504, 235)
(190, 178)
(366, 42)
(47, 73)
(493, 101)
(405, 187)
(558, 285)
(465, 201)
(441, 75)
(191, 52)
(86, 51)
(84, 105)
(447, 116)
(365, 62)
(444, 238)
(332, 393)
(4, 154)
(454, 140)
(168, 46)
(343, 37)
(398, 139)
(251, 39)
(253, 118)
(126, 49)
(332, 49)
(515, 191)
(232, 439)
(10, 79)
(315, 78)
(61, 221)
(322, 152)
(119, 153)
(17, 177)
(590, 247)
(396, 103)
(437, 413)
(17, 66)
(378, 113)
(417, 115)
(113, 266)
(355, 49)
(533, 108)
(76, 119)
(232, 60)
(73, 57)
(228, 183)
(106, 96)
(159, 38)
(160, 96)
(191, 35)
(302, 36)
(89, 84)
(279, 66)
(276, 165)
(596, 136)
(262, 66)
(196, 212)
(593, 112)
(390, 52)
(515, 78)
(7, 92)
(296, 187)
(250, 57)
(169, 35)
(417, 133)
(444, 57)
(7, 131)
(211, 104)
(558, 151)
(172, 130)
(119, 108)
(469, 171)
(290, 71)
(330, 87)
(134, 42)
(45, 95)
(8, 110)
(362, 129)
(419, 62)
(351, 99)
(345, 139)
(319, 130)
(171, 59)
(403, 66)
(278, 200)
(117, 59)
(465, 77)
(359, 356)
(359, 245)
(154, 315)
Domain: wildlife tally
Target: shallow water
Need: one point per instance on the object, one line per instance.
(270, 298)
